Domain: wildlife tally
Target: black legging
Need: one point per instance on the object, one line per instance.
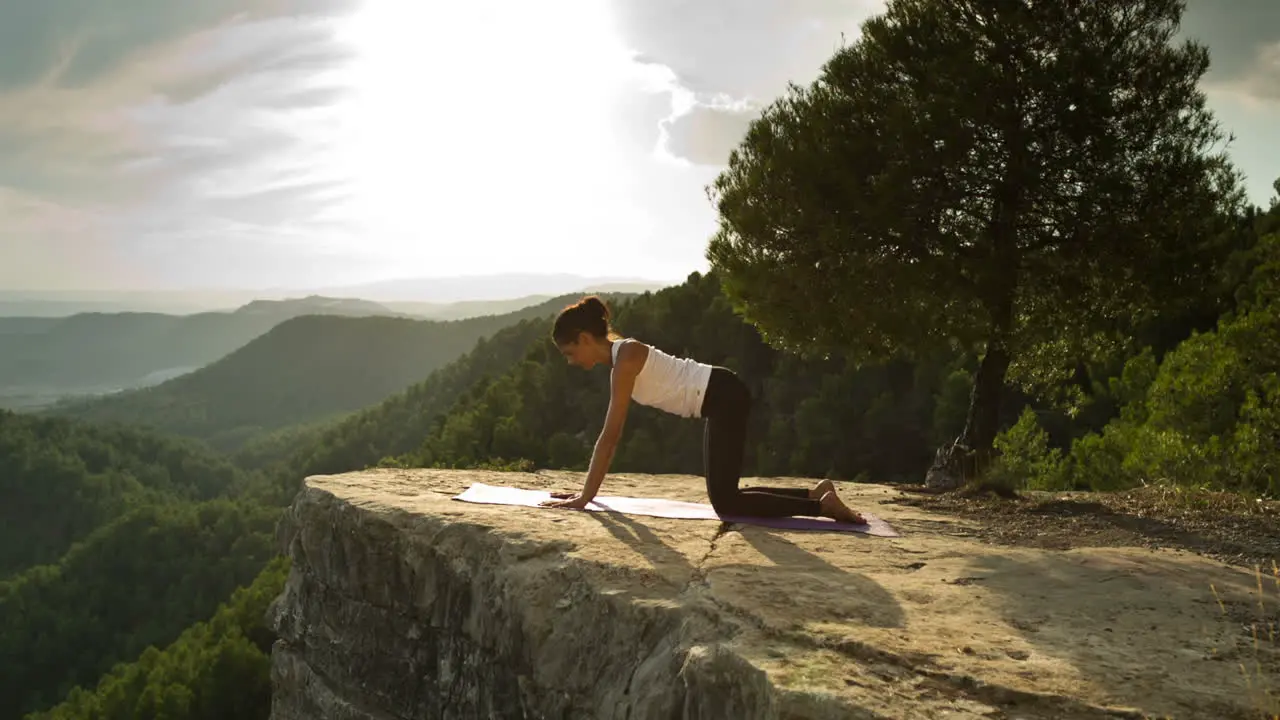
(725, 407)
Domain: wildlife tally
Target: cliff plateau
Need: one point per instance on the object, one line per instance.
(403, 603)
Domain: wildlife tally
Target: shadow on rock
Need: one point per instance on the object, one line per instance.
(803, 584)
(795, 587)
(1147, 631)
(670, 563)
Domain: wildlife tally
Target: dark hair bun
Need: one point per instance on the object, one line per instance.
(589, 314)
(594, 307)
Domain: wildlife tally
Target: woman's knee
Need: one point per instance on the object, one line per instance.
(725, 504)
(723, 499)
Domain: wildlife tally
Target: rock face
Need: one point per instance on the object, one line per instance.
(402, 604)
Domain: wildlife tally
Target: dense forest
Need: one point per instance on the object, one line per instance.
(63, 480)
(138, 581)
(218, 668)
(911, 278)
(114, 540)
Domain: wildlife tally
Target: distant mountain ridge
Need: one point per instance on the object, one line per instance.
(426, 292)
(316, 305)
(89, 353)
(488, 288)
(306, 369)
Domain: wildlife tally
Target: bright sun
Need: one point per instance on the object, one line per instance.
(493, 112)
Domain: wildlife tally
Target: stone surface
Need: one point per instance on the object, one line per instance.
(403, 603)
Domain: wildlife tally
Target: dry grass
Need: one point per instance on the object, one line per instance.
(1171, 499)
(1240, 530)
(1258, 663)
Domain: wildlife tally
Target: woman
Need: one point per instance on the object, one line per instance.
(687, 388)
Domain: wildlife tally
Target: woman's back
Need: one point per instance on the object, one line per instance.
(676, 385)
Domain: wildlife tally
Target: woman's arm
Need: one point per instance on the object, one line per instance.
(631, 357)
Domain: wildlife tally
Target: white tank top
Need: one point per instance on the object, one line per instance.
(676, 385)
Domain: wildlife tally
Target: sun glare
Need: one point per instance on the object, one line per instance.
(491, 113)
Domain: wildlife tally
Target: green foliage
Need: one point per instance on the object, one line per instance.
(1261, 287)
(1206, 417)
(62, 479)
(1023, 177)
(1026, 459)
(135, 582)
(215, 669)
(271, 449)
(111, 539)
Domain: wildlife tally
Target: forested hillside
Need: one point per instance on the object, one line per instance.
(61, 480)
(217, 668)
(138, 581)
(120, 537)
(398, 424)
(812, 417)
(305, 370)
(112, 539)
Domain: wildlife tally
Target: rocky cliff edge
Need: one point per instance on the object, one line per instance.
(403, 603)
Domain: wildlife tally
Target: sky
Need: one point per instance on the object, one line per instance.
(153, 144)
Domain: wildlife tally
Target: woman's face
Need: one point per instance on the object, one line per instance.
(581, 352)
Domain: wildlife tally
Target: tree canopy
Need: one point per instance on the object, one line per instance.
(1011, 176)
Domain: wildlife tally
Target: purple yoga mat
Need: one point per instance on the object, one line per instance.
(678, 509)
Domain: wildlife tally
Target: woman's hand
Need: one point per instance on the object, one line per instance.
(574, 501)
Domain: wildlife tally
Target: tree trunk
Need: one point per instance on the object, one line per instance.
(969, 456)
(983, 420)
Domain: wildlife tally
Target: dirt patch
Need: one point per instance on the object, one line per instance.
(1225, 527)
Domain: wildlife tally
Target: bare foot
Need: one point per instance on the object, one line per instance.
(834, 507)
(821, 489)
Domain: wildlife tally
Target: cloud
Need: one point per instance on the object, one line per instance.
(1236, 32)
(190, 141)
(178, 93)
(1260, 80)
(37, 237)
(88, 39)
(724, 60)
(126, 135)
(707, 133)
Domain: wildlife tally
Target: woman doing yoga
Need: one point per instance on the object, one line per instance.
(687, 388)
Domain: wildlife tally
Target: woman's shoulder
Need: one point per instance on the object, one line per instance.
(631, 351)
